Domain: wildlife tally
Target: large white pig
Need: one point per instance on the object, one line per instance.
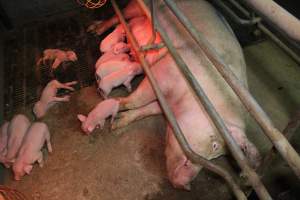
(197, 127)
(49, 98)
(30, 151)
(17, 130)
(96, 118)
(3, 140)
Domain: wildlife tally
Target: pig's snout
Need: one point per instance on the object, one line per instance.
(182, 174)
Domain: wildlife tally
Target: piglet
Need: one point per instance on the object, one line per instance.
(58, 56)
(49, 98)
(17, 130)
(30, 151)
(117, 78)
(3, 141)
(111, 66)
(96, 118)
(118, 53)
(108, 43)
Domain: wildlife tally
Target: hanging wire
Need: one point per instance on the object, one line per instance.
(91, 4)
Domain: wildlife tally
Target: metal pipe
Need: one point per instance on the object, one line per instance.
(278, 16)
(268, 33)
(236, 18)
(276, 137)
(194, 157)
(219, 123)
(217, 120)
(152, 47)
(288, 132)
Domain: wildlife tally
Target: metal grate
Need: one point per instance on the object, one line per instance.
(24, 80)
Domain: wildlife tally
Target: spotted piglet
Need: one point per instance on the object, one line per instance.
(30, 151)
(96, 118)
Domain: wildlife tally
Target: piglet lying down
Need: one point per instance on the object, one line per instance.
(30, 151)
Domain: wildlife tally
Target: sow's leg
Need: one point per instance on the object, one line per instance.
(127, 117)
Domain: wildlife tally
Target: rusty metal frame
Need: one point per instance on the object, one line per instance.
(194, 157)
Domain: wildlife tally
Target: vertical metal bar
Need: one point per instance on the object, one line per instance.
(170, 116)
(276, 137)
(217, 120)
(152, 40)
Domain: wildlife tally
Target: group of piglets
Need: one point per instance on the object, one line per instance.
(118, 64)
(20, 144)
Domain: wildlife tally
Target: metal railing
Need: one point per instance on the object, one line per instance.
(276, 137)
(194, 157)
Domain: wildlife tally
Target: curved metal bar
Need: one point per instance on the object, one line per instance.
(170, 116)
(266, 31)
(219, 123)
(237, 19)
(278, 16)
(276, 137)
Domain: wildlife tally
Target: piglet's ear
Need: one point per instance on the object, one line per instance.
(82, 118)
(90, 129)
(28, 169)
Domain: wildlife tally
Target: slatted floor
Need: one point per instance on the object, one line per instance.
(24, 80)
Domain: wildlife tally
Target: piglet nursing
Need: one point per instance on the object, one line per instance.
(108, 43)
(49, 98)
(96, 118)
(30, 152)
(17, 130)
(121, 77)
(3, 140)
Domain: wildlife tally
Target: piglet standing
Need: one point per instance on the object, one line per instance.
(96, 118)
(3, 140)
(49, 98)
(30, 151)
(17, 130)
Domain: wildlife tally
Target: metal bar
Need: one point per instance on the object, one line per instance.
(276, 137)
(152, 46)
(236, 18)
(219, 123)
(266, 31)
(170, 116)
(288, 132)
(153, 37)
(278, 16)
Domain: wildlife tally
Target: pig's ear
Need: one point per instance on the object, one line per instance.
(82, 118)
(28, 169)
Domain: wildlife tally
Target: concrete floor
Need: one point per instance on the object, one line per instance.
(129, 163)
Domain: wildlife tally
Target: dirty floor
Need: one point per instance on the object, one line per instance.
(129, 163)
